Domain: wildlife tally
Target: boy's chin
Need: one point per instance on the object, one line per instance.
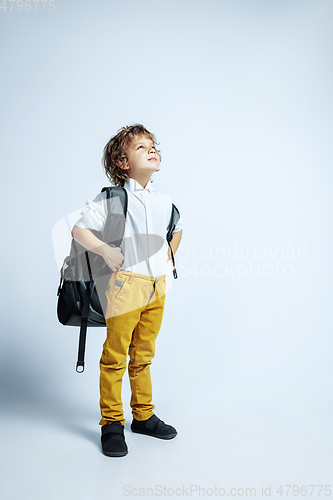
(152, 171)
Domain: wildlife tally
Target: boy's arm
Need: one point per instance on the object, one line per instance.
(174, 243)
(112, 255)
(87, 239)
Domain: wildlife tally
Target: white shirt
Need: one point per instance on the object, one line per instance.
(144, 245)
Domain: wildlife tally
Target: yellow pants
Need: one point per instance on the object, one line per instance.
(133, 319)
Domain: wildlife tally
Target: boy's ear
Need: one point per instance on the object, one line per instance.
(120, 164)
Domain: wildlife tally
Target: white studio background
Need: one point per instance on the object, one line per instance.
(239, 96)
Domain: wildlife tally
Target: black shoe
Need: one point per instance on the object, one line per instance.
(113, 440)
(154, 427)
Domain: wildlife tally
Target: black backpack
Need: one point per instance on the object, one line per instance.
(84, 272)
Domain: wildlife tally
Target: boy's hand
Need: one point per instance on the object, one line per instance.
(113, 257)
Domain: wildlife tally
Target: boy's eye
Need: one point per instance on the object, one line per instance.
(142, 147)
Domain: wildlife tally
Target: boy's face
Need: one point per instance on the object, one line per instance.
(143, 160)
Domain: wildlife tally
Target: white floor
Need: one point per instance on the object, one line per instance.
(51, 452)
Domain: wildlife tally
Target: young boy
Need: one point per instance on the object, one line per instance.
(136, 294)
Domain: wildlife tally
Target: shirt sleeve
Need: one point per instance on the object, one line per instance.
(94, 214)
(179, 224)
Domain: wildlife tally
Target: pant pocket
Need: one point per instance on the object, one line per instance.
(161, 287)
(115, 288)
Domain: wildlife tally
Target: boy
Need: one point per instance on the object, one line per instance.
(137, 285)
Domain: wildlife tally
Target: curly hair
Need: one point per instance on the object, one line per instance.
(116, 149)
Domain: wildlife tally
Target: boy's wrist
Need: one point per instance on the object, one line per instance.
(101, 249)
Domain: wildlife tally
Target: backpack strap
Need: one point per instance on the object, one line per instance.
(84, 321)
(117, 191)
(110, 191)
(174, 218)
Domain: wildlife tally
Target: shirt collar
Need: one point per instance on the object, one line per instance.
(133, 185)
